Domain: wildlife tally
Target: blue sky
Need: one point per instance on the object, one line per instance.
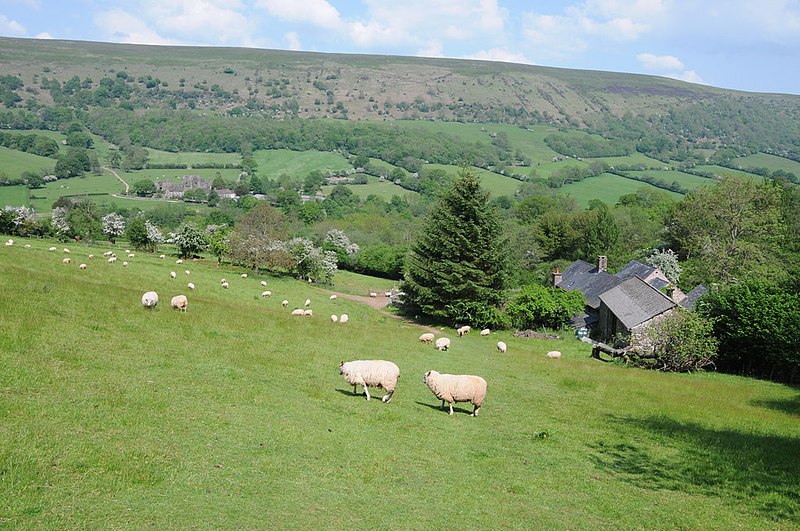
(745, 45)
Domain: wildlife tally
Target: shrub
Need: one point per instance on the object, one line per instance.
(537, 306)
(681, 342)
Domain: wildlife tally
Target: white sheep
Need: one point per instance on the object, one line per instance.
(187, 272)
(127, 250)
(112, 259)
(66, 260)
(52, 249)
(131, 255)
(124, 264)
(27, 246)
(371, 373)
(91, 257)
(427, 338)
(162, 256)
(244, 275)
(298, 311)
(372, 294)
(66, 250)
(485, 332)
(443, 343)
(285, 303)
(308, 313)
(554, 354)
(150, 299)
(173, 274)
(180, 302)
(267, 293)
(10, 242)
(333, 297)
(334, 318)
(263, 283)
(225, 285)
(387, 293)
(190, 285)
(307, 303)
(463, 330)
(223, 281)
(344, 318)
(502, 347)
(107, 253)
(82, 266)
(452, 388)
(179, 261)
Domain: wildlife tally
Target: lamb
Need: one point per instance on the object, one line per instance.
(127, 250)
(463, 330)
(371, 373)
(308, 313)
(66, 260)
(180, 302)
(150, 299)
(223, 281)
(190, 285)
(344, 318)
(264, 283)
(266, 293)
(334, 318)
(333, 297)
(285, 303)
(554, 354)
(307, 303)
(82, 266)
(387, 293)
(453, 388)
(298, 311)
(107, 253)
(502, 347)
(443, 343)
(485, 332)
(427, 338)
(173, 274)
(27, 246)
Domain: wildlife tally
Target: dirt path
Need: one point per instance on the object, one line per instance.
(380, 303)
(118, 177)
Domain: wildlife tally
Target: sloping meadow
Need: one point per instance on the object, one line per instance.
(233, 415)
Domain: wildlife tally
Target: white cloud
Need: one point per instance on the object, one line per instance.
(434, 49)
(43, 35)
(293, 41)
(11, 27)
(317, 12)
(374, 33)
(119, 26)
(499, 54)
(552, 37)
(688, 75)
(660, 63)
(212, 21)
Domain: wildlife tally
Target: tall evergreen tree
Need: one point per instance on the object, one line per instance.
(457, 269)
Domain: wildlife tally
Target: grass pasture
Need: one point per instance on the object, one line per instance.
(493, 182)
(106, 184)
(383, 189)
(686, 180)
(233, 415)
(606, 187)
(14, 196)
(14, 162)
(764, 160)
(273, 162)
(191, 158)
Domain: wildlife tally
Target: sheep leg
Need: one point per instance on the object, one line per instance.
(475, 413)
(366, 392)
(387, 397)
(451, 408)
(355, 387)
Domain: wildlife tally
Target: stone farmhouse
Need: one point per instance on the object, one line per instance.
(624, 303)
(175, 189)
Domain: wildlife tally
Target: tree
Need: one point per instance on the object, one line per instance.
(140, 235)
(667, 262)
(258, 239)
(189, 239)
(683, 341)
(219, 241)
(457, 268)
(74, 163)
(144, 187)
(113, 226)
(59, 223)
(310, 262)
(537, 306)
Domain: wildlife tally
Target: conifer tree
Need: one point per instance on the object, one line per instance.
(457, 269)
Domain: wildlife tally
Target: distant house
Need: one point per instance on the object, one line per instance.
(226, 193)
(175, 189)
(623, 303)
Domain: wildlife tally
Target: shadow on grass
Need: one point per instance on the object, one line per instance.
(788, 405)
(759, 471)
(438, 407)
(348, 392)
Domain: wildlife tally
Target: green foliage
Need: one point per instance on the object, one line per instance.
(461, 257)
(74, 163)
(667, 261)
(136, 233)
(257, 241)
(537, 306)
(189, 240)
(144, 187)
(758, 325)
(683, 341)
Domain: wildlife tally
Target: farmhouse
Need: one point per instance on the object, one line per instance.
(624, 303)
(172, 189)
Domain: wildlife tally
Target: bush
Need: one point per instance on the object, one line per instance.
(681, 342)
(537, 306)
(478, 314)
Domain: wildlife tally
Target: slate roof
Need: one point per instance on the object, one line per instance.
(635, 268)
(584, 276)
(659, 283)
(691, 298)
(634, 301)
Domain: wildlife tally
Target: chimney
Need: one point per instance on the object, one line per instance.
(556, 277)
(602, 263)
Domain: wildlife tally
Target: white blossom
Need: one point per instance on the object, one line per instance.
(113, 225)
(153, 234)
(59, 221)
(338, 238)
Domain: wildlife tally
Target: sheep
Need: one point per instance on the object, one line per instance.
(27, 246)
(150, 299)
(502, 347)
(66, 260)
(124, 264)
(298, 311)
(10, 242)
(190, 285)
(485, 332)
(108, 253)
(131, 255)
(244, 275)
(308, 313)
(307, 303)
(223, 281)
(91, 257)
(372, 294)
(263, 283)
(266, 293)
(443, 343)
(173, 274)
(180, 302)
(285, 303)
(179, 261)
(387, 293)
(344, 318)
(162, 256)
(187, 272)
(82, 266)
(452, 388)
(127, 250)
(554, 354)
(225, 285)
(52, 249)
(333, 297)
(112, 259)
(427, 338)
(371, 373)
(66, 250)
(334, 318)
(463, 330)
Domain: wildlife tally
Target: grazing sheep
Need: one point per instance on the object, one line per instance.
(334, 318)
(66, 250)
(427, 338)
(150, 299)
(27, 246)
(112, 259)
(187, 272)
(333, 297)
(502, 347)
(91, 257)
(223, 281)
(179, 261)
(180, 302)
(485, 332)
(162, 256)
(52, 249)
(443, 343)
(371, 373)
(373, 295)
(554, 354)
(387, 293)
(190, 285)
(124, 264)
(66, 260)
(82, 266)
(308, 313)
(264, 283)
(131, 255)
(285, 303)
(344, 318)
(452, 388)
(10, 242)
(244, 275)
(225, 285)
(127, 250)
(266, 293)
(307, 303)
(107, 253)
(173, 274)
(463, 330)
(298, 311)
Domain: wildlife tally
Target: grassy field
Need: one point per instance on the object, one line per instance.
(233, 415)
(763, 160)
(159, 174)
(14, 196)
(274, 162)
(43, 198)
(606, 187)
(385, 189)
(191, 158)
(14, 162)
(721, 171)
(493, 182)
(686, 180)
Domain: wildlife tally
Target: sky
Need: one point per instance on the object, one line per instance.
(737, 44)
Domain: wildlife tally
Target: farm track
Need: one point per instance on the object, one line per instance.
(127, 188)
(380, 303)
